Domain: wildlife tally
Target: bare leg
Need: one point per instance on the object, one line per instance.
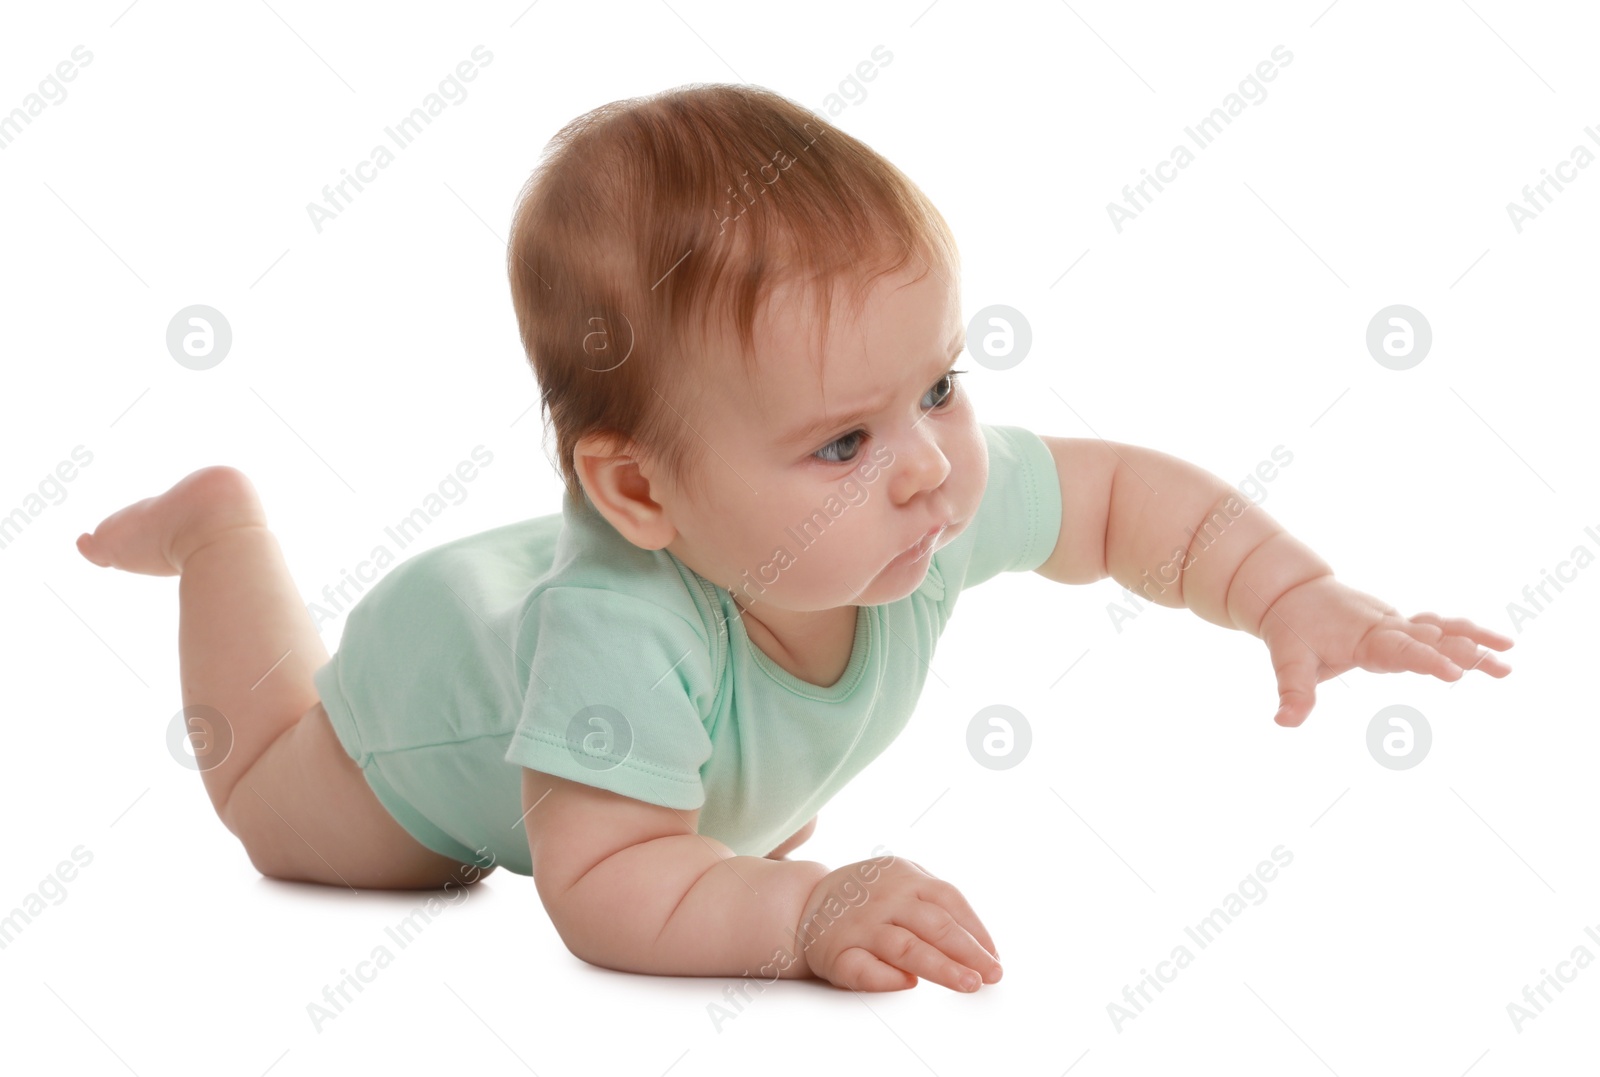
(275, 772)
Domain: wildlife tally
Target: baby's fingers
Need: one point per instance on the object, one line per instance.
(903, 949)
(933, 924)
(1463, 652)
(952, 901)
(1469, 655)
(1394, 651)
(1460, 626)
(860, 970)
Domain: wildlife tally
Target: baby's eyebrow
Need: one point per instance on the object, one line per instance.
(817, 428)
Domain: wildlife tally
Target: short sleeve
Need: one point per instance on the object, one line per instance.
(616, 690)
(1018, 522)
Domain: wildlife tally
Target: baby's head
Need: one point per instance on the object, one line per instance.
(742, 322)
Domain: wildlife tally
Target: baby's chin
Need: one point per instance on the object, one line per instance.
(850, 585)
(893, 581)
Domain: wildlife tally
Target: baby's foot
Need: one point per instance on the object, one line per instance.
(155, 536)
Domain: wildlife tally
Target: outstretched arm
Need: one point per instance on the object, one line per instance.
(1180, 536)
(1172, 533)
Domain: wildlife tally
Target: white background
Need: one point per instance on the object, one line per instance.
(1227, 319)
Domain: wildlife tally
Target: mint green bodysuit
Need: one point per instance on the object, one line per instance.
(556, 644)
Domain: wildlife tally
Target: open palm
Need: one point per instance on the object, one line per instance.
(1322, 628)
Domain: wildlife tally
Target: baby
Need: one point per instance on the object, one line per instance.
(743, 324)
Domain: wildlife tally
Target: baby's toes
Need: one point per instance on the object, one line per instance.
(130, 539)
(155, 536)
(87, 547)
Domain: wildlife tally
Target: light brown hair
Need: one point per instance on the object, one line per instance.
(652, 224)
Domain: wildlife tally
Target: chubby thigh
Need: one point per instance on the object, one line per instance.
(305, 812)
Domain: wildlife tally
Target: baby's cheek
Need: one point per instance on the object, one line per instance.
(970, 478)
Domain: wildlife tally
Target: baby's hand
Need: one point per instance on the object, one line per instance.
(1322, 628)
(878, 924)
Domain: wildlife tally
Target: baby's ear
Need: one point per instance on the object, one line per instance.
(620, 491)
(600, 445)
(595, 456)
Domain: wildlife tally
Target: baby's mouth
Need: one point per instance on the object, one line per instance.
(923, 547)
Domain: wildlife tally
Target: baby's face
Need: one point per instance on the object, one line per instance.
(818, 488)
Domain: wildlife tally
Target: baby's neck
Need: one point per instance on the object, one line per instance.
(813, 645)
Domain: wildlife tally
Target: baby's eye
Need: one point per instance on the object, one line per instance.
(825, 453)
(949, 392)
